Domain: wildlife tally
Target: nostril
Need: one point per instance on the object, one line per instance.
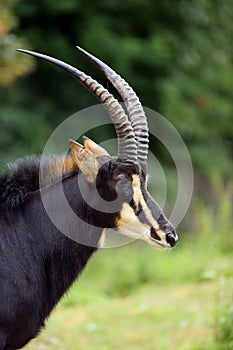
(171, 239)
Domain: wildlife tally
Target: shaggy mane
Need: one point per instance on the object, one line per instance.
(29, 174)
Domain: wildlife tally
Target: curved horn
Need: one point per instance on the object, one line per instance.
(136, 113)
(127, 145)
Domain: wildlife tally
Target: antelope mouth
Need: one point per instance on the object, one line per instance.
(158, 244)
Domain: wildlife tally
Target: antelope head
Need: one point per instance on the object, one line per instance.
(123, 177)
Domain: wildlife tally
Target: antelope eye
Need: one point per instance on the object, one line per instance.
(124, 189)
(124, 182)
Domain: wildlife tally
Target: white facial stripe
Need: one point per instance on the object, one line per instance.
(138, 198)
(136, 229)
(136, 189)
(129, 224)
(127, 215)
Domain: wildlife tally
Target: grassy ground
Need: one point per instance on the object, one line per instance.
(136, 297)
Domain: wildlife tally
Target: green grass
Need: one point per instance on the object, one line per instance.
(136, 297)
(153, 318)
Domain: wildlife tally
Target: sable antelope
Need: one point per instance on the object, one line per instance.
(37, 262)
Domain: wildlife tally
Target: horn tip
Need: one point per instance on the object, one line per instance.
(27, 52)
(21, 50)
(85, 53)
(80, 48)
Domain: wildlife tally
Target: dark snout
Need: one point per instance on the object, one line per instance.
(172, 238)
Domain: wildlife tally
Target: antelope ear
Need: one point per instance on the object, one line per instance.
(97, 150)
(85, 160)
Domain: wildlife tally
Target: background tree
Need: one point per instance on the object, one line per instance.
(177, 55)
(11, 66)
(19, 135)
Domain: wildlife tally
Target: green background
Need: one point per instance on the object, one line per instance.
(177, 55)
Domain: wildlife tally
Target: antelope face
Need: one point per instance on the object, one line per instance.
(121, 178)
(123, 186)
(140, 217)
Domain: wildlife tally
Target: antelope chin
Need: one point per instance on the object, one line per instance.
(159, 244)
(163, 244)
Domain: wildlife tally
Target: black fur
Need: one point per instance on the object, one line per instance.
(38, 263)
(21, 178)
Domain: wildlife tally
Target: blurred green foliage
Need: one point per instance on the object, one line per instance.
(177, 55)
(11, 66)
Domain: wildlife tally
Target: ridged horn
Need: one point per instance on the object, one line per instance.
(137, 115)
(127, 145)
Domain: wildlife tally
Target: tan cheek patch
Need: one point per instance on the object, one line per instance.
(129, 225)
(136, 189)
(126, 215)
(139, 199)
